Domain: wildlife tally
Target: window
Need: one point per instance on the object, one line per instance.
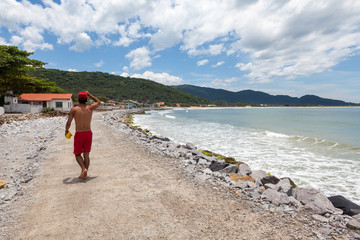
(58, 104)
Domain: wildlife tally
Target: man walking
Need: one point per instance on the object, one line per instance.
(83, 136)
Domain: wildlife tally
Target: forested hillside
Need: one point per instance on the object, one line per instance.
(257, 97)
(116, 87)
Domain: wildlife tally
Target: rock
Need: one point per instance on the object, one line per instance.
(241, 184)
(354, 224)
(216, 166)
(190, 146)
(207, 171)
(230, 169)
(294, 202)
(160, 138)
(190, 168)
(203, 161)
(320, 218)
(348, 207)
(284, 186)
(258, 174)
(202, 177)
(236, 178)
(315, 200)
(251, 185)
(270, 179)
(274, 196)
(244, 169)
(270, 185)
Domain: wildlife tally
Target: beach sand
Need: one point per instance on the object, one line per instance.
(132, 193)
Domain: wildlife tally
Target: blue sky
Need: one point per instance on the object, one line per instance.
(288, 47)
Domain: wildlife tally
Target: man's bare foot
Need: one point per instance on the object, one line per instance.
(83, 174)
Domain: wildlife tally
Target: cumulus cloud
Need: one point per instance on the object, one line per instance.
(218, 64)
(163, 78)
(202, 62)
(72, 70)
(82, 42)
(140, 58)
(272, 39)
(99, 64)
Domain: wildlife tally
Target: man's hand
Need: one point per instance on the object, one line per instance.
(66, 132)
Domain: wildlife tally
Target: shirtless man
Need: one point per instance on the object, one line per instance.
(83, 135)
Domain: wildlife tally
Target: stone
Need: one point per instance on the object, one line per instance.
(236, 178)
(270, 185)
(258, 175)
(270, 179)
(320, 218)
(207, 171)
(203, 161)
(241, 184)
(190, 168)
(314, 200)
(230, 169)
(348, 207)
(190, 146)
(294, 202)
(354, 224)
(202, 177)
(251, 185)
(216, 166)
(274, 196)
(244, 170)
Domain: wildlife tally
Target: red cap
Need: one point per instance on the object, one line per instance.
(82, 95)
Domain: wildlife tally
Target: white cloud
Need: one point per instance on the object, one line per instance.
(124, 74)
(202, 62)
(140, 58)
(125, 68)
(218, 64)
(82, 42)
(72, 70)
(99, 64)
(163, 78)
(279, 39)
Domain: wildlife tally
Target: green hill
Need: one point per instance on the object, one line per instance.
(257, 97)
(116, 87)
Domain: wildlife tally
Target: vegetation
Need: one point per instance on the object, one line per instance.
(222, 97)
(118, 88)
(15, 66)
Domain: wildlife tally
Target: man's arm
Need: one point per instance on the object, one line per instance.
(96, 103)
(68, 123)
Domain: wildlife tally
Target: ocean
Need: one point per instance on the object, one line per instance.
(315, 147)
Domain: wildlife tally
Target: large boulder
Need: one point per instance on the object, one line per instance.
(190, 146)
(344, 204)
(244, 170)
(275, 196)
(258, 175)
(315, 200)
(230, 169)
(216, 166)
(270, 179)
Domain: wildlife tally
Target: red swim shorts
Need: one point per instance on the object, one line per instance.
(82, 142)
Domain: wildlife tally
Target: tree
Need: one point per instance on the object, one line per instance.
(15, 66)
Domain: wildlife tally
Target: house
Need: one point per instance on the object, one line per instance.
(35, 102)
(160, 104)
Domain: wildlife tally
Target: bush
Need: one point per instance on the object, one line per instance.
(48, 110)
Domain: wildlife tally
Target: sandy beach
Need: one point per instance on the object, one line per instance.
(131, 193)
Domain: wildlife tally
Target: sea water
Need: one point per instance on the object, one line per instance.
(315, 147)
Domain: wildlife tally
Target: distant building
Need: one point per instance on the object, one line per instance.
(160, 104)
(35, 102)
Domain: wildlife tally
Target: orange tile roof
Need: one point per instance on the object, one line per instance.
(44, 96)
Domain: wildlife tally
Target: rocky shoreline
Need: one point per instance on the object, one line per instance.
(266, 192)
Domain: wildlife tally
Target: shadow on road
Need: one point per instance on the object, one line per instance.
(77, 180)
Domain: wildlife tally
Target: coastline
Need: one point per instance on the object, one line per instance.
(264, 218)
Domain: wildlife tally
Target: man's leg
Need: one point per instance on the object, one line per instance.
(86, 162)
(80, 161)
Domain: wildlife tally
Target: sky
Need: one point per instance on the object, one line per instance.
(281, 47)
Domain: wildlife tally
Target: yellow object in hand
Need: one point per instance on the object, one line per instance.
(68, 135)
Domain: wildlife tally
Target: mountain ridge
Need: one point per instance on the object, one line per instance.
(258, 97)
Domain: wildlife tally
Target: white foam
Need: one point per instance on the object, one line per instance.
(308, 164)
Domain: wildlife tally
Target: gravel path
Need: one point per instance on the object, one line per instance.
(131, 193)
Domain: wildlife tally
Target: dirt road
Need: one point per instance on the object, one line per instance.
(134, 194)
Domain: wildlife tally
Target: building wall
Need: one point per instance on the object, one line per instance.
(66, 105)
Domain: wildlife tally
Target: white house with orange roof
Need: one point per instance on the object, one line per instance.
(35, 102)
